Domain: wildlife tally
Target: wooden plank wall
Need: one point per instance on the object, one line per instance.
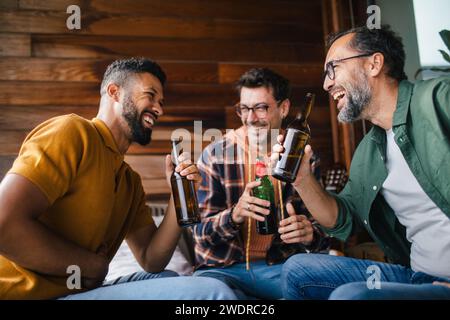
(204, 46)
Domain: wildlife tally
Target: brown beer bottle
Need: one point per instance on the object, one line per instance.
(295, 140)
(184, 194)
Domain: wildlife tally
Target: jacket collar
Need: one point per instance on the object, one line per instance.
(405, 89)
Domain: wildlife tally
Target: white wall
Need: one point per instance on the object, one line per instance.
(431, 17)
(399, 14)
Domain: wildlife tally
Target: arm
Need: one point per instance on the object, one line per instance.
(216, 226)
(322, 206)
(153, 247)
(30, 244)
(219, 223)
(333, 212)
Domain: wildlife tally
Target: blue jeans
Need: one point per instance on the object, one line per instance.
(166, 285)
(260, 282)
(320, 276)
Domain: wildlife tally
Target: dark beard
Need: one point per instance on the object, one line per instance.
(358, 98)
(139, 133)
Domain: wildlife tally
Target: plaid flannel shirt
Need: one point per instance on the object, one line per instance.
(218, 241)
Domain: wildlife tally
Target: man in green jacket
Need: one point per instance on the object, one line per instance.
(399, 186)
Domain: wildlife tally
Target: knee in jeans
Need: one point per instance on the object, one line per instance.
(353, 291)
(169, 273)
(298, 264)
(216, 289)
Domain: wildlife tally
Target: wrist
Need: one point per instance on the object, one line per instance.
(233, 221)
(98, 269)
(303, 183)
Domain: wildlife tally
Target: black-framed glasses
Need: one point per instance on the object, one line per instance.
(329, 67)
(260, 109)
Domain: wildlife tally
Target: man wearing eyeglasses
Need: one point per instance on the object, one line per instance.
(228, 246)
(399, 179)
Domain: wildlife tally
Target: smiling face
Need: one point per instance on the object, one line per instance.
(141, 106)
(259, 123)
(350, 86)
(272, 119)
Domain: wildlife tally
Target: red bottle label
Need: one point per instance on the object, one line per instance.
(261, 169)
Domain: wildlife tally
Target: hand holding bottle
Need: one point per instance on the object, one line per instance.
(296, 228)
(297, 137)
(306, 168)
(249, 206)
(185, 167)
(182, 182)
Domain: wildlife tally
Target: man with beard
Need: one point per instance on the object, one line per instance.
(399, 179)
(227, 245)
(70, 200)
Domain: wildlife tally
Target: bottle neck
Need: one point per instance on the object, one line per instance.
(175, 152)
(304, 112)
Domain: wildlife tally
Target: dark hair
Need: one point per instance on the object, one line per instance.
(119, 71)
(382, 40)
(264, 77)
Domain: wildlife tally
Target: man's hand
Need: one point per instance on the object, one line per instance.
(186, 168)
(249, 206)
(306, 169)
(445, 284)
(296, 228)
(99, 269)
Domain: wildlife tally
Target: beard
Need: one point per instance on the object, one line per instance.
(139, 133)
(359, 95)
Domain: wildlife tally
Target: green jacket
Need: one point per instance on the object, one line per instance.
(422, 131)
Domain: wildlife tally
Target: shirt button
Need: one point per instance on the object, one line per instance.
(365, 222)
(400, 139)
(382, 158)
(374, 188)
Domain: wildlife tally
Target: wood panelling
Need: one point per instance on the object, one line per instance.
(48, 93)
(76, 46)
(6, 162)
(298, 74)
(93, 23)
(9, 4)
(204, 47)
(83, 93)
(291, 11)
(15, 45)
(91, 70)
(27, 117)
(152, 171)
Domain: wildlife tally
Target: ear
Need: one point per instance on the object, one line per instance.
(284, 108)
(376, 64)
(113, 91)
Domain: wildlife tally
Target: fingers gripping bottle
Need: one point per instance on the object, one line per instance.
(265, 191)
(296, 138)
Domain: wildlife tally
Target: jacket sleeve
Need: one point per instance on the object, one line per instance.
(216, 225)
(344, 224)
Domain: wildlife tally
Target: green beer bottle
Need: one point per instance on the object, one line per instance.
(265, 191)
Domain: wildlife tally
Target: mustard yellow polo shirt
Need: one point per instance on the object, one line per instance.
(95, 197)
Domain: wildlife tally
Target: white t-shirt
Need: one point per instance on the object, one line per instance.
(427, 227)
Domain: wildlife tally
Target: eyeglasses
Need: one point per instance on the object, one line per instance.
(329, 67)
(260, 109)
